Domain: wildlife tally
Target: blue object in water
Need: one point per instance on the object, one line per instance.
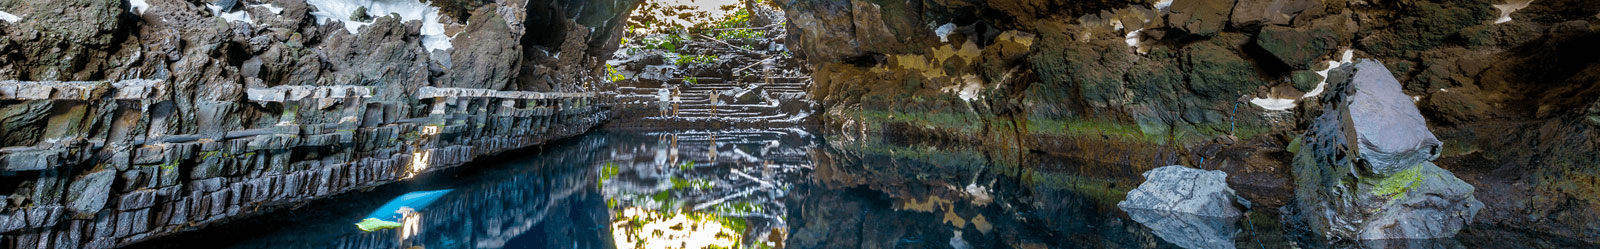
(390, 212)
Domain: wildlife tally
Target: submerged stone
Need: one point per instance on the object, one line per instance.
(1365, 171)
(1192, 208)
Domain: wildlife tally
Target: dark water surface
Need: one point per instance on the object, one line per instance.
(771, 189)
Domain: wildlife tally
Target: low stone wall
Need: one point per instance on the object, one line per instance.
(105, 171)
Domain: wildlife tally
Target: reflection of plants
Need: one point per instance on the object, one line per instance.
(607, 172)
(697, 184)
(686, 166)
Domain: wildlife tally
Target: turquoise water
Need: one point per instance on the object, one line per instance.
(766, 189)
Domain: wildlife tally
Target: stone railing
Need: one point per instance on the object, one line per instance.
(114, 163)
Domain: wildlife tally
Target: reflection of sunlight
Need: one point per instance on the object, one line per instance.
(412, 222)
(637, 227)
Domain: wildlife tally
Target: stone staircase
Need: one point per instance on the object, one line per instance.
(783, 104)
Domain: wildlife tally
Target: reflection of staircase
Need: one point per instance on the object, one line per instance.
(637, 105)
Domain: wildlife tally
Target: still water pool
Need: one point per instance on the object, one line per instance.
(765, 189)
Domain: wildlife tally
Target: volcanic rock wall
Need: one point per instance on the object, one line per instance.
(125, 120)
(1508, 86)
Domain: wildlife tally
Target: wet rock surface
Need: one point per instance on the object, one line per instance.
(129, 120)
(1365, 171)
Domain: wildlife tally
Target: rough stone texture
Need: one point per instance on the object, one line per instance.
(1270, 12)
(1188, 230)
(121, 125)
(1200, 17)
(1182, 189)
(1364, 172)
(1296, 47)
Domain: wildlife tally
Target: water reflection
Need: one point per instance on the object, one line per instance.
(767, 189)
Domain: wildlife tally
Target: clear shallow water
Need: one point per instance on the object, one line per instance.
(769, 189)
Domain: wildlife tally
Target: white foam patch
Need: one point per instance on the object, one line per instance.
(138, 6)
(1507, 8)
(433, 37)
(1274, 104)
(944, 31)
(1163, 4)
(8, 17)
(1348, 57)
(1133, 40)
(968, 90)
(1284, 104)
(235, 16)
(270, 8)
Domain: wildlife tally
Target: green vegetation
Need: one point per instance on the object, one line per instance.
(1396, 186)
(695, 59)
(697, 184)
(607, 172)
(936, 120)
(669, 42)
(691, 80)
(612, 74)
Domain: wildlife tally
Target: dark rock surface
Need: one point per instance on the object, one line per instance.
(127, 120)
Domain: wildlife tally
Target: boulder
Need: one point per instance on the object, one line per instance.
(1184, 190)
(1271, 12)
(1189, 207)
(1298, 48)
(1199, 17)
(1363, 169)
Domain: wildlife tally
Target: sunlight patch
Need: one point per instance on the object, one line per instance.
(433, 36)
(8, 17)
(138, 6)
(1507, 8)
(235, 16)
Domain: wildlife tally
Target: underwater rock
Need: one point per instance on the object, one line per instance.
(1364, 171)
(1192, 208)
(1188, 230)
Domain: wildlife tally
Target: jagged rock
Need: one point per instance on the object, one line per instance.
(88, 195)
(1298, 48)
(1269, 12)
(1199, 17)
(1187, 190)
(1364, 171)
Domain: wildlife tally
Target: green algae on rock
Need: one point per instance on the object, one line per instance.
(1364, 171)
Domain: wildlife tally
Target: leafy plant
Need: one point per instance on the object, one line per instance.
(695, 59)
(612, 74)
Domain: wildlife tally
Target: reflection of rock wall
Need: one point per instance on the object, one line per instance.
(128, 120)
(887, 196)
(554, 201)
(1132, 82)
